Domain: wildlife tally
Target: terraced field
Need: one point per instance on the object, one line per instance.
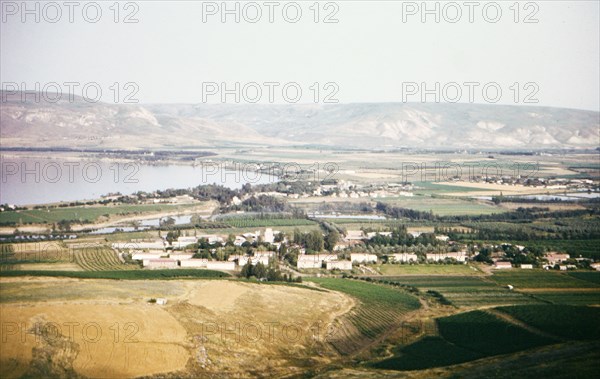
(467, 291)
(545, 279)
(578, 288)
(379, 309)
(99, 259)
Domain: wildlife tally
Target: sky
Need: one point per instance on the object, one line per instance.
(543, 53)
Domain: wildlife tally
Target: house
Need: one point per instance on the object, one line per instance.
(314, 260)
(264, 259)
(354, 235)
(182, 242)
(181, 256)
(160, 263)
(139, 256)
(239, 240)
(220, 265)
(563, 268)
(211, 238)
(187, 240)
(269, 236)
(415, 234)
(339, 265)
(345, 244)
(308, 261)
(502, 265)
(459, 256)
(527, 266)
(161, 301)
(373, 234)
(595, 266)
(194, 263)
(363, 258)
(556, 258)
(442, 237)
(404, 257)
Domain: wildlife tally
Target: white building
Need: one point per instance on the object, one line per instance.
(194, 263)
(254, 260)
(211, 238)
(373, 234)
(181, 256)
(556, 258)
(145, 256)
(404, 257)
(502, 265)
(160, 263)
(353, 235)
(269, 236)
(527, 266)
(314, 260)
(340, 265)
(188, 240)
(363, 258)
(308, 261)
(220, 265)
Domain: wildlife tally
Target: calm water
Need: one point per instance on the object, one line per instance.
(37, 181)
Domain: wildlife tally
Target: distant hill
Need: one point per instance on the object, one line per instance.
(367, 125)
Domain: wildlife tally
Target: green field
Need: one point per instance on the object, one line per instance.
(569, 322)
(258, 222)
(427, 269)
(435, 188)
(541, 279)
(486, 334)
(442, 206)
(464, 337)
(570, 298)
(467, 291)
(85, 213)
(426, 353)
(379, 308)
(593, 277)
(123, 274)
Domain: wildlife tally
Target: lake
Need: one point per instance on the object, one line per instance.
(27, 181)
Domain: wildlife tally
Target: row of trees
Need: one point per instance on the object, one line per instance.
(270, 273)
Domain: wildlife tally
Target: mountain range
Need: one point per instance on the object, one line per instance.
(83, 124)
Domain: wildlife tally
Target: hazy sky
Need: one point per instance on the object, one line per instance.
(372, 54)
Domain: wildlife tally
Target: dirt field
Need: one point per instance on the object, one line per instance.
(104, 328)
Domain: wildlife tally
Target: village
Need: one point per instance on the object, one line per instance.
(271, 247)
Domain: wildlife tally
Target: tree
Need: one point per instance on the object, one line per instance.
(331, 239)
(167, 222)
(260, 271)
(246, 271)
(314, 241)
(64, 225)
